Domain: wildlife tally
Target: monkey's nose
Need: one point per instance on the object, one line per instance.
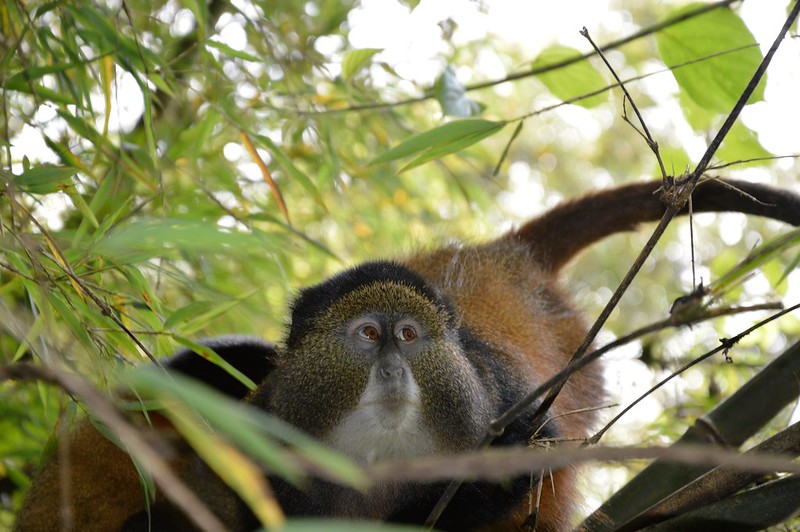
(392, 371)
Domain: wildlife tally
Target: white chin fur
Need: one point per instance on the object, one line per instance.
(384, 424)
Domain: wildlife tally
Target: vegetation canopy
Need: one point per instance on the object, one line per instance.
(179, 169)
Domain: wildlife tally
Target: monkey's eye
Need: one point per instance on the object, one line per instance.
(407, 334)
(370, 333)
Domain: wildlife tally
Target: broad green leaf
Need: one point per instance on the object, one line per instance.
(44, 179)
(355, 60)
(700, 118)
(227, 50)
(717, 82)
(572, 80)
(741, 144)
(452, 96)
(676, 160)
(456, 135)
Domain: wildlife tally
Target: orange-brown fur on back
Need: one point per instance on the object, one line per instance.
(89, 476)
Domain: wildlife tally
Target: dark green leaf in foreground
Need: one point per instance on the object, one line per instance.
(716, 83)
(259, 433)
(572, 80)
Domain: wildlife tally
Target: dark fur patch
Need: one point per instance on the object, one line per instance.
(314, 301)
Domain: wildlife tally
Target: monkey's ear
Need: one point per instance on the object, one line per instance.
(252, 356)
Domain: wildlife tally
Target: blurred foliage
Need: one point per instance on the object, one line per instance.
(177, 169)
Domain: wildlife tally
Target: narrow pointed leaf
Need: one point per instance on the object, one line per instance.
(440, 138)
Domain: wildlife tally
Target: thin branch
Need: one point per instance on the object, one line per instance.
(507, 462)
(651, 142)
(725, 345)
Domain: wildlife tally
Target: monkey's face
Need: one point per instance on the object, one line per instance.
(380, 373)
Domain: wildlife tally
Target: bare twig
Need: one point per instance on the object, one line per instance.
(651, 142)
(725, 346)
(507, 462)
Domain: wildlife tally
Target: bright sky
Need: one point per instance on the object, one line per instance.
(412, 43)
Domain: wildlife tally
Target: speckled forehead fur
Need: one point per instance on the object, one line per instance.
(370, 287)
(393, 299)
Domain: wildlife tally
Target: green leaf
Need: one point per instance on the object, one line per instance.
(756, 259)
(98, 26)
(355, 60)
(441, 140)
(30, 74)
(676, 160)
(197, 315)
(715, 83)
(436, 152)
(44, 179)
(247, 426)
(227, 50)
(571, 81)
(741, 144)
(43, 93)
(145, 239)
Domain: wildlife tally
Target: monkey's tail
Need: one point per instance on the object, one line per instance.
(561, 233)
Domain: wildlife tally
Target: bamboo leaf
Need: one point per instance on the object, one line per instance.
(444, 139)
(197, 315)
(44, 179)
(247, 427)
(289, 167)
(227, 50)
(435, 152)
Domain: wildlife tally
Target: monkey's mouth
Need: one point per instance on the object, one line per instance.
(391, 401)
